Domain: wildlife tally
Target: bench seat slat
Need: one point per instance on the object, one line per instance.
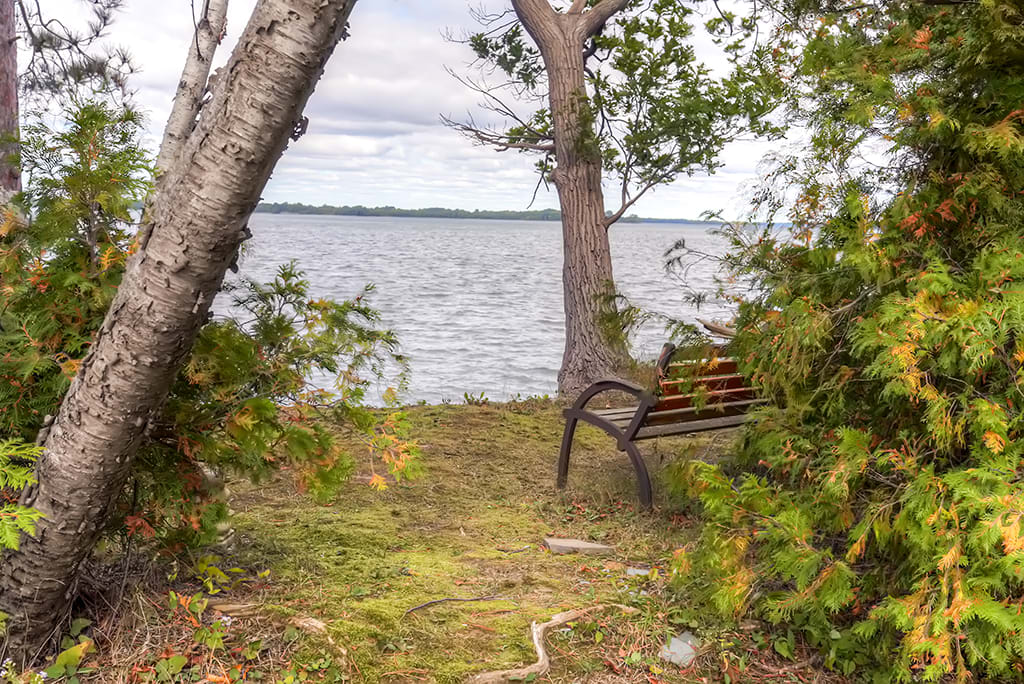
(616, 413)
(691, 427)
(680, 401)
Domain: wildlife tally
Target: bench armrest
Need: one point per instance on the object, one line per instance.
(613, 385)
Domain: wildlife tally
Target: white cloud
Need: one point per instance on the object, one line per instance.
(375, 136)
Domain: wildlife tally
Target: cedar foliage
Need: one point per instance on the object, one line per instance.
(245, 403)
(877, 506)
(16, 459)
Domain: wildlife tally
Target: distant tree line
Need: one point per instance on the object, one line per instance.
(429, 212)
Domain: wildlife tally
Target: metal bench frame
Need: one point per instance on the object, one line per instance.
(637, 427)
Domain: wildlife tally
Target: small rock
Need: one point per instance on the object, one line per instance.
(559, 546)
(638, 572)
(681, 649)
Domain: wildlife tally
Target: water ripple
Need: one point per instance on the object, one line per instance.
(476, 304)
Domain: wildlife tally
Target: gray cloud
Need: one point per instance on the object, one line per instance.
(375, 135)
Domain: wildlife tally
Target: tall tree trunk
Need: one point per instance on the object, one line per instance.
(197, 225)
(587, 281)
(10, 178)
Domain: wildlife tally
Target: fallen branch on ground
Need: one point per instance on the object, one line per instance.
(446, 600)
(543, 663)
(525, 548)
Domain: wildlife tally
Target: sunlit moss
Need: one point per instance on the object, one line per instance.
(461, 531)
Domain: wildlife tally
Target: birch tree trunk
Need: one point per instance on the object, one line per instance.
(188, 99)
(587, 280)
(10, 178)
(197, 224)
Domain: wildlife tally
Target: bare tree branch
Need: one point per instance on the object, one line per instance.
(542, 178)
(492, 138)
(577, 7)
(496, 104)
(630, 201)
(591, 22)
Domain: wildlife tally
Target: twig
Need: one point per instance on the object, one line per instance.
(543, 663)
(511, 551)
(446, 600)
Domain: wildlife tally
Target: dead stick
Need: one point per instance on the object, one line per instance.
(543, 663)
(525, 548)
(445, 600)
(717, 329)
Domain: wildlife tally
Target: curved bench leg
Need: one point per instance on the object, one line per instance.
(563, 455)
(643, 480)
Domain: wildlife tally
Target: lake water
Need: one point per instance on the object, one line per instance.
(477, 305)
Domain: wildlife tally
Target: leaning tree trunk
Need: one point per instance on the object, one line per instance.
(587, 267)
(197, 225)
(10, 179)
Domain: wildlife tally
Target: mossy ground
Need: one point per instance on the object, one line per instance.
(471, 527)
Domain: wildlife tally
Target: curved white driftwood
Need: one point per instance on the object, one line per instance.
(538, 631)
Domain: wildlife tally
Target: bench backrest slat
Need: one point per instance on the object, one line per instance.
(681, 401)
(711, 382)
(734, 406)
(721, 365)
(715, 380)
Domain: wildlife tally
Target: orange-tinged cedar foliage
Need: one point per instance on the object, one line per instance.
(882, 493)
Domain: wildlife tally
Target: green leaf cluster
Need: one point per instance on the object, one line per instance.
(876, 507)
(62, 253)
(16, 461)
(651, 110)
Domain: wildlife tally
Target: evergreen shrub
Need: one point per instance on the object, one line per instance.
(876, 506)
(273, 382)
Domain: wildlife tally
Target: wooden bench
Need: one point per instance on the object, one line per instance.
(691, 396)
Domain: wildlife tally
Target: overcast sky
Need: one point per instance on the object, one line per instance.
(374, 136)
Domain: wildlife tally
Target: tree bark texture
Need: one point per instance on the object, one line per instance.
(10, 177)
(587, 268)
(188, 99)
(197, 224)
